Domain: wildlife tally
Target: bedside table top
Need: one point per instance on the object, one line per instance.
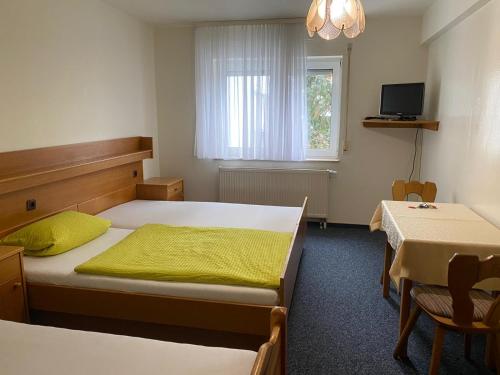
(163, 181)
(7, 251)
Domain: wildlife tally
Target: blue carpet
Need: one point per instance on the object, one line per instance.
(340, 324)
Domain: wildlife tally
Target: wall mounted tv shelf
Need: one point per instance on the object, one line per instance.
(422, 124)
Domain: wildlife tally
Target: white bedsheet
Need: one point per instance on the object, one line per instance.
(59, 270)
(134, 214)
(26, 349)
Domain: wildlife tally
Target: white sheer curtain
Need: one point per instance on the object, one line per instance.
(250, 92)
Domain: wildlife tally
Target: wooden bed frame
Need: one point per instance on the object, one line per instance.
(268, 360)
(92, 177)
(271, 356)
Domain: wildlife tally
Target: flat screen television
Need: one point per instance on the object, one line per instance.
(404, 100)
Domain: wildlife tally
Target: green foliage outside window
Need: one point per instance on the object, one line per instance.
(319, 104)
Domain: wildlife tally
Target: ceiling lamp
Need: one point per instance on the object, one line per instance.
(329, 18)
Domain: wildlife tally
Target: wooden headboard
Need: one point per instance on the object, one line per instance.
(89, 177)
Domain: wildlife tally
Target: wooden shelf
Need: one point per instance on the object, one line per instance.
(398, 124)
(27, 168)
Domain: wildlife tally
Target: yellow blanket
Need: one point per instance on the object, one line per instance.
(201, 255)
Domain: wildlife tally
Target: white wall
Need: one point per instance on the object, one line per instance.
(74, 71)
(388, 52)
(464, 86)
(442, 15)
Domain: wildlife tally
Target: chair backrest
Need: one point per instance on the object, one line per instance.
(271, 356)
(401, 189)
(464, 271)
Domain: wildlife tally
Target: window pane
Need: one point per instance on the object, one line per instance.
(319, 105)
(246, 101)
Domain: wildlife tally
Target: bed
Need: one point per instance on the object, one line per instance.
(133, 214)
(101, 178)
(59, 270)
(30, 349)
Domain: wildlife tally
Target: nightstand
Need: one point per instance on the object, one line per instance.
(161, 189)
(13, 296)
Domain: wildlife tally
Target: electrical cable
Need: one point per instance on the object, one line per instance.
(414, 155)
(421, 144)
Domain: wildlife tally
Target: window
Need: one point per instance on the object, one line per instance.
(250, 85)
(259, 97)
(324, 81)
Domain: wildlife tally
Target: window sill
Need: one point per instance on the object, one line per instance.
(327, 160)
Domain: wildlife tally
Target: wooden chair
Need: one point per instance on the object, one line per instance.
(271, 358)
(400, 190)
(458, 307)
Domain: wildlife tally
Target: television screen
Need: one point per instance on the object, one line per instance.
(405, 99)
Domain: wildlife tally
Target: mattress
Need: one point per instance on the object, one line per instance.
(59, 270)
(26, 349)
(134, 214)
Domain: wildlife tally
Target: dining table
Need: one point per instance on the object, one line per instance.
(424, 238)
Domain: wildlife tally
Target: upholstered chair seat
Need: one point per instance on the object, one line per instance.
(437, 300)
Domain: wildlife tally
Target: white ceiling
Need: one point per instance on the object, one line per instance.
(187, 11)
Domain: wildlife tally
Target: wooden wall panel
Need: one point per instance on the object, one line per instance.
(103, 202)
(29, 161)
(57, 196)
(21, 170)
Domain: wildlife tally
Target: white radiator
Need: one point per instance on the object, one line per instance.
(277, 187)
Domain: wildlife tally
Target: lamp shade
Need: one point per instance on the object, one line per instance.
(329, 18)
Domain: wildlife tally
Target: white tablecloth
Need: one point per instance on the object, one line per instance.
(426, 239)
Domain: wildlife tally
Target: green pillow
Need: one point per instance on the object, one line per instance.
(57, 234)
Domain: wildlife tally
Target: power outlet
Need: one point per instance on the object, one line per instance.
(31, 204)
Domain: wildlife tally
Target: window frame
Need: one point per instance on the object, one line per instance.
(333, 63)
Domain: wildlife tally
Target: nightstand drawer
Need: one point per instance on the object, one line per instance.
(12, 300)
(13, 303)
(10, 268)
(175, 189)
